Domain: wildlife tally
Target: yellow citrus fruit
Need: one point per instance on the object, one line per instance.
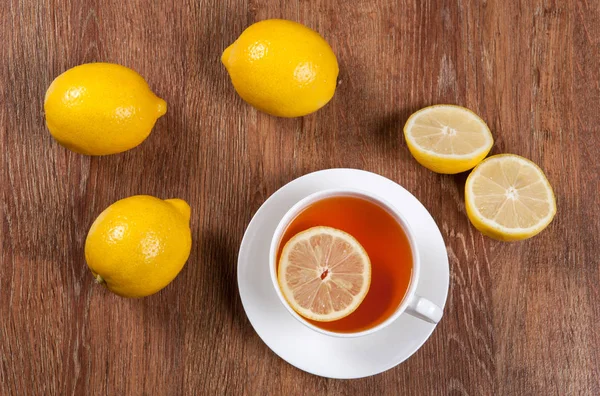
(101, 108)
(139, 244)
(509, 198)
(282, 68)
(324, 273)
(447, 139)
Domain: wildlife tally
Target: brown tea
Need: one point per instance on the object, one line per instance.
(384, 241)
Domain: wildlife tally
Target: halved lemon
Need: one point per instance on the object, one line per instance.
(447, 139)
(324, 273)
(509, 198)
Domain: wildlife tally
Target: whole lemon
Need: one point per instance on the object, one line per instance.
(282, 68)
(101, 108)
(139, 244)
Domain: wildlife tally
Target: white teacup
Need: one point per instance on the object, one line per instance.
(412, 303)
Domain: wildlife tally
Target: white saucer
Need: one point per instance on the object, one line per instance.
(321, 354)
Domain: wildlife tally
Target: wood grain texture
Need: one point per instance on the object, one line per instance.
(521, 318)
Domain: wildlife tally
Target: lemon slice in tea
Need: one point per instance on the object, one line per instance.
(324, 273)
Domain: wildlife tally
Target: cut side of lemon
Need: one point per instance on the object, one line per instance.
(324, 273)
(509, 198)
(447, 138)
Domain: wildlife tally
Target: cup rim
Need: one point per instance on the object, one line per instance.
(292, 212)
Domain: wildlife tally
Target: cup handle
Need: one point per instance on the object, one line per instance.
(424, 309)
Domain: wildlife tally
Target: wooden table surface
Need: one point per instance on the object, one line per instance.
(521, 318)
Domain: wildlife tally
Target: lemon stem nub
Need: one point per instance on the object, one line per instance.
(99, 279)
(161, 107)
